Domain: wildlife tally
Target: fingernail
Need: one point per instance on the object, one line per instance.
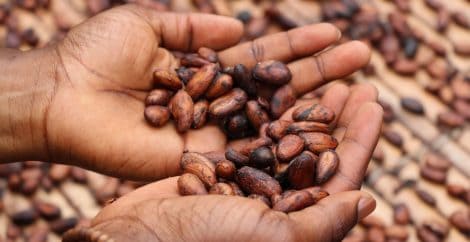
(339, 34)
(366, 206)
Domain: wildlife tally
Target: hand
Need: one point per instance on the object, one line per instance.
(94, 117)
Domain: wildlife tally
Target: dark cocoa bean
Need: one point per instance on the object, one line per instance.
(182, 108)
(60, 226)
(158, 97)
(298, 200)
(412, 105)
(401, 214)
(289, 147)
(228, 103)
(461, 220)
(315, 112)
(24, 217)
(307, 126)
(221, 84)
(410, 46)
(256, 114)
(433, 175)
(201, 80)
(236, 157)
(301, 170)
(262, 157)
(426, 235)
(157, 115)
(237, 126)
(318, 142)
(167, 79)
(426, 197)
(248, 148)
(272, 72)
(242, 77)
(441, 230)
(393, 137)
(185, 74)
(208, 54)
(47, 210)
(255, 181)
(327, 164)
(278, 129)
(200, 114)
(389, 114)
(283, 99)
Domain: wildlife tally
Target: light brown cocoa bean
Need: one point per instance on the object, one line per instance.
(193, 60)
(262, 157)
(301, 170)
(156, 115)
(236, 189)
(208, 54)
(315, 112)
(437, 161)
(272, 72)
(318, 142)
(401, 214)
(433, 175)
(294, 202)
(221, 84)
(200, 114)
(158, 97)
(225, 169)
(167, 79)
(221, 188)
(254, 181)
(228, 103)
(439, 68)
(192, 157)
(289, 147)
(58, 172)
(327, 164)
(398, 232)
(278, 129)
(256, 114)
(202, 171)
(260, 198)
(307, 126)
(236, 157)
(461, 220)
(317, 193)
(404, 66)
(201, 80)
(283, 99)
(182, 108)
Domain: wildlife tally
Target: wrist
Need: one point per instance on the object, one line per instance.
(26, 89)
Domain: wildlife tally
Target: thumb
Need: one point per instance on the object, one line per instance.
(333, 217)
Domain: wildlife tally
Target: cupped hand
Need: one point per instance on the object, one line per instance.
(104, 72)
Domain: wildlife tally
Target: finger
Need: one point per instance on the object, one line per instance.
(360, 94)
(312, 72)
(188, 32)
(206, 139)
(333, 217)
(356, 148)
(284, 46)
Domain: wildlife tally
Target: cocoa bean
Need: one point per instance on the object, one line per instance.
(237, 126)
(437, 161)
(263, 131)
(201, 80)
(301, 170)
(38, 234)
(262, 157)
(462, 107)
(283, 99)
(461, 19)
(60, 226)
(208, 54)
(202, 171)
(289, 147)
(13, 231)
(405, 67)
(78, 175)
(315, 112)
(167, 79)
(307, 126)
(254, 181)
(264, 103)
(398, 232)
(236, 157)
(461, 220)
(389, 114)
(426, 235)
(47, 210)
(221, 84)
(24, 217)
(236, 189)
(158, 97)
(410, 46)
(443, 19)
(278, 129)
(157, 116)
(433, 175)
(461, 87)
(222, 189)
(228, 103)
(393, 137)
(58, 172)
(437, 47)
(426, 197)
(194, 157)
(412, 105)
(318, 142)
(190, 184)
(401, 214)
(450, 119)
(215, 156)
(225, 169)
(456, 190)
(260, 198)
(439, 229)
(390, 47)
(200, 114)
(434, 4)
(272, 72)
(242, 77)
(256, 114)
(185, 74)
(328, 162)
(298, 200)
(193, 60)
(182, 108)
(439, 69)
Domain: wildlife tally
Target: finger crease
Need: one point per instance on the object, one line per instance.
(190, 31)
(321, 67)
(291, 48)
(257, 51)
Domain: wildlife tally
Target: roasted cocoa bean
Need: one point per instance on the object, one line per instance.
(278, 129)
(47, 210)
(192, 157)
(272, 72)
(158, 97)
(461, 220)
(426, 197)
(283, 99)
(289, 147)
(225, 169)
(60, 226)
(182, 108)
(401, 214)
(228, 103)
(167, 79)
(262, 157)
(412, 105)
(307, 126)
(433, 175)
(254, 181)
(200, 114)
(301, 170)
(242, 77)
(221, 84)
(437, 161)
(221, 189)
(236, 157)
(327, 164)
(260, 198)
(456, 190)
(256, 114)
(185, 74)
(208, 54)
(189, 184)
(315, 112)
(157, 116)
(393, 137)
(389, 114)
(202, 171)
(201, 80)
(450, 119)
(255, 144)
(318, 142)
(298, 200)
(237, 126)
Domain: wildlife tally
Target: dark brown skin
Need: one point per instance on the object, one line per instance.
(87, 110)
